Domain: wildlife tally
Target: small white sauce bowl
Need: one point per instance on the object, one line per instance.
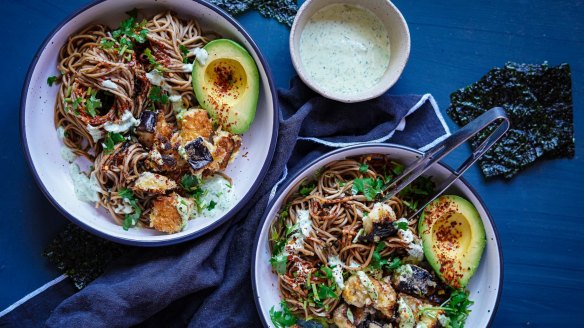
(399, 36)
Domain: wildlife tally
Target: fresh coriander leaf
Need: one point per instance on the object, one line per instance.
(291, 229)
(156, 65)
(401, 225)
(184, 52)
(283, 318)
(394, 264)
(305, 189)
(126, 193)
(363, 168)
(157, 95)
(51, 80)
(279, 262)
(131, 219)
(92, 103)
(376, 261)
(368, 187)
(397, 168)
(412, 205)
(327, 271)
(107, 44)
(111, 139)
(189, 182)
(211, 205)
(325, 292)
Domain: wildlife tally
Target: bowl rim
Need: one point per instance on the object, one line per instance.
(296, 60)
(312, 163)
(137, 241)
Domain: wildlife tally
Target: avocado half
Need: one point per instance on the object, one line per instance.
(228, 85)
(453, 239)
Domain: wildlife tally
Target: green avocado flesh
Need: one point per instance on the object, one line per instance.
(453, 239)
(228, 85)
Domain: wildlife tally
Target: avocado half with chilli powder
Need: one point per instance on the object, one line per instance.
(228, 85)
(453, 239)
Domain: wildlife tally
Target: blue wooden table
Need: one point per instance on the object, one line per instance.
(539, 214)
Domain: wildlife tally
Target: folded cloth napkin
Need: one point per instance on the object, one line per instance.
(206, 282)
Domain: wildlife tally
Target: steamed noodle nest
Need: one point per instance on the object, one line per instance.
(85, 63)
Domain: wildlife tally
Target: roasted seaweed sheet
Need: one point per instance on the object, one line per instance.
(81, 255)
(281, 10)
(538, 101)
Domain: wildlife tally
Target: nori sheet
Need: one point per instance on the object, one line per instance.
(281, 10)
(81, 255)
(538, 101)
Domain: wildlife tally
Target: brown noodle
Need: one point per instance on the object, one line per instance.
(336, 217)
(85, 64)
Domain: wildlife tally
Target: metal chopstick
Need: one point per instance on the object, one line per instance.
(494, 115)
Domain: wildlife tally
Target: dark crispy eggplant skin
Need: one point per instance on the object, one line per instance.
(198, 154)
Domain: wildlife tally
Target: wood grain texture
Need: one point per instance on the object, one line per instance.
(539, 214)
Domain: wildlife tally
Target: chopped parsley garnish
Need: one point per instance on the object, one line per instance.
(456, 308)
(191, 185)
(363, 168)
(422, 186)
(283, 318)
(376, 261)
(379, 263)
(211, 205)
(92, 103)
(73, 105)
(111, 139)
(397, 169)
(368, 187)
(130, 31)
(132, 218)
(51, 80)
(156, 65)
(189, 182)
(325, 291)
(412, 205)
(305, 189)
(184, 52)
(279, 263)
(394, 264)
(157, 95)
(401, 225)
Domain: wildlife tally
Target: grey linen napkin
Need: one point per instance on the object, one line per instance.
(206, 282)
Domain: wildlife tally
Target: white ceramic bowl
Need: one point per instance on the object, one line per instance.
(399, 36)
(42, 146)
(485, 286)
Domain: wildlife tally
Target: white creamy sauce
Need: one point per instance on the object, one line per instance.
(175, 98)
(86, 188)
(368, 284)
(217, 189)
(185, 209)
(304, 222)
(201, 55)
(61, 133)
(124, 208)
(155, 78)
(67, 154)
(337, 268)
(126, 122)
(407, 318)
(95, 132)
(187, 68)
(345, 49)
(109, 84)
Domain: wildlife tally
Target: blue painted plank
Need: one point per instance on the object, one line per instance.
(539, 213)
